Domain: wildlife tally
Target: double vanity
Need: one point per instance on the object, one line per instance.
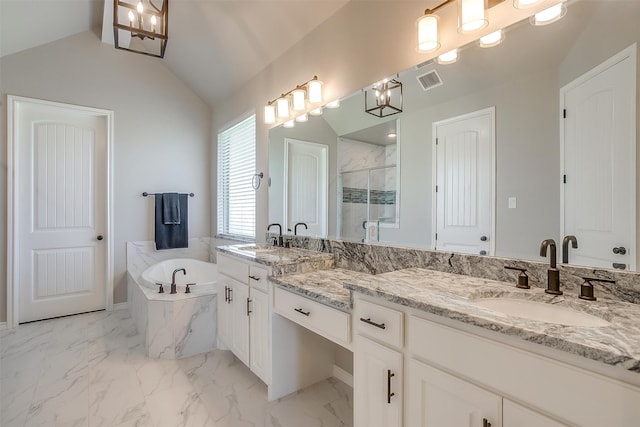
(436, 338)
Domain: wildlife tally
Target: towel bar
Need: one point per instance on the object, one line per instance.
(145, 194)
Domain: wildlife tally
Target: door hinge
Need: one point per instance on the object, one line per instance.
(564, 113)
(564, 179)
(436, 141)
(436, 236)
(436, 188)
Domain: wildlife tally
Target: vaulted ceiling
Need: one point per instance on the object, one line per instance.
(215, 46)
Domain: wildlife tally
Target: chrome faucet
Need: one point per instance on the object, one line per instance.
(173, 279)
(295, 227)
(279, 241)
(565, 247)
(553, 274)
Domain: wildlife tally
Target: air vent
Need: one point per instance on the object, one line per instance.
(430, 80)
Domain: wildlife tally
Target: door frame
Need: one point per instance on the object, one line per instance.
(434, 172)
(630, 52)
(285, 212)
(13, 196)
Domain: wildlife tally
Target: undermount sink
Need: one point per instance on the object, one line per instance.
(541, 312)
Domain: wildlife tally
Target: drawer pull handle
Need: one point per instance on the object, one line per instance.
(389, 394)
(301, 311)
(486, 423)
(256, 278)
(370, 322)
(248, 309)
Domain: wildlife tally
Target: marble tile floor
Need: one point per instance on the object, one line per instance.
(90, 370)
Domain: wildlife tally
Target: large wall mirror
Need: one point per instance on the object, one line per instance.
(510, 169)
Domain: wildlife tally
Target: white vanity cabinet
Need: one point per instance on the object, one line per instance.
(459, 375)
(378, 375)
(243, 312)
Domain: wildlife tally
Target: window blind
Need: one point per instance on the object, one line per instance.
(236, 167)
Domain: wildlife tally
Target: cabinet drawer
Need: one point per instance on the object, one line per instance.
(376, 321)
(326, 321)
(233, 268)
(258, 278)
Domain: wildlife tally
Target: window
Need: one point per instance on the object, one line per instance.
(236, 167)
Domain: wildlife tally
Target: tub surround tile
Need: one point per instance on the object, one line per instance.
(324, 286)
(452, 296)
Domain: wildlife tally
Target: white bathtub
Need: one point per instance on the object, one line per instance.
(203, 274)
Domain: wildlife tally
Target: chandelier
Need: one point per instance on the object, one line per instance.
(384, 98)
(141, 27)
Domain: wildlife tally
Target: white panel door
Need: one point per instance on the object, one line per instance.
(437, 399)
(377, 384)
(306, 187)
(464, 183)
(600, 164)
(61, 182)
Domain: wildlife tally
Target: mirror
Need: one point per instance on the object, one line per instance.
(522, 80)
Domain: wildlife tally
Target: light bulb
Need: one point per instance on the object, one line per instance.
(302, 118)
(428, 33)
(550, 15)
(471, 16)
(298, 100)
(283, 108)
(492, 39)
(315, 91)
(448, 57)
(140, 7)
(525, 4)
(154, 20)
(269, 114)
(131, 16)
(289, 124)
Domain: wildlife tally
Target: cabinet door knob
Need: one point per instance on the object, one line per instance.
(100, 237)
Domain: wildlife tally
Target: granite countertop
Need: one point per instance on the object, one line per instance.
(275, 256)
(324, 286)
(455, 296)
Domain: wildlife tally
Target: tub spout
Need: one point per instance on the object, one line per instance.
(173, 279)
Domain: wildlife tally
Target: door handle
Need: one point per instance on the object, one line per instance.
(620, 251)
(484, 238)
(486, 423)
(100, 237)
(619, 266)
(389, 394)
(483, 252)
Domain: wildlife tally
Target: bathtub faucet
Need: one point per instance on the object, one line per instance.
(173, 279)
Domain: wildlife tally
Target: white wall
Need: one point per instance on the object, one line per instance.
(161, 132)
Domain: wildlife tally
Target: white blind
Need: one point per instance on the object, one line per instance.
(236, 166)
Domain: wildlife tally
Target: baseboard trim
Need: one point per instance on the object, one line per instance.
(121, 306)
(343, 375)
(3, 326)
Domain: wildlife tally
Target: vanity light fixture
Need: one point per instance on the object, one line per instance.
(333, 104)
(384, 98)
(525, 4)
(392, 135)
(448, 57)
(289, 124)
(549, 15)
(302, 118)
(492, 39)
(296, 100)
(143, 21)
(472, 16)
(316, 111)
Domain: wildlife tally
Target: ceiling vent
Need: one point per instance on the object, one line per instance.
(430, 80)
(424, 64)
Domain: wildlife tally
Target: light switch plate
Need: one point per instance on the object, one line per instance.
(512, 203)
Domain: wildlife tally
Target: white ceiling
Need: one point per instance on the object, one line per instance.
(215, 46)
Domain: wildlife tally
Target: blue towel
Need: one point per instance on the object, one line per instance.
(170, 208)
(170, 236)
